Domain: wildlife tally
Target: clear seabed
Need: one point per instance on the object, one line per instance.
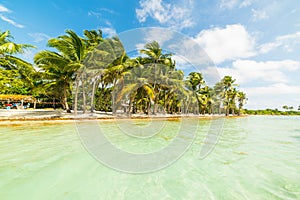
(256, 157)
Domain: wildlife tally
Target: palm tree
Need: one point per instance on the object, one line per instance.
(241, 98)
(137, 87)
(61, 67)
(195, 80)
(92, 38)
(206, 100)
(217, 97)
(10, 62)
(232, 94)
(112, 59)
(57, 76)
(228, 83)
(158, 62)
(92, 68)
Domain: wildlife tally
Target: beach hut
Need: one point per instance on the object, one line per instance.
(11, 98)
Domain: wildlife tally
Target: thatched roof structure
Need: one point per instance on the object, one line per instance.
(16, 97)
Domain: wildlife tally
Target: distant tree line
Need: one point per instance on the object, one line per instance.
(288, 110)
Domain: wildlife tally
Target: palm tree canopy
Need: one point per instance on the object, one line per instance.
(196, 80)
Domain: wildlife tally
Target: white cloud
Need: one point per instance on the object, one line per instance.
(270, 71)
(231, 4)
(4, 9)
(159, 35)
(246, 3)
(181, 62)
(108, 11)
(12, 22)
(173, 15)
(286, 42)
(109, 31)
(272, 96)
(229, 43)
(277, 89)
(39, 37)
(259, 15)
(228, 4)
(92, 13)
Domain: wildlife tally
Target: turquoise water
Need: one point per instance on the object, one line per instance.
(256, 157)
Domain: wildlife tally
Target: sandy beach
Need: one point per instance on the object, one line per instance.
(60, 116)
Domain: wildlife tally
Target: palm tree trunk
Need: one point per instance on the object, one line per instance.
(114, 110)
(76, 97)
(65, 100)
(227, 110)
(83, 95)
(92, 97)
(149, 107)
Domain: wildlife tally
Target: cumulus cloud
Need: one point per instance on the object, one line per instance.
(229, 43)
(270, 71)
(286, 42)
(173, 15)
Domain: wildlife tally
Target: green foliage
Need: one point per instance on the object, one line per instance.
(271, 112)
(12, 83)
(103, 99)
(16, 75)
(149, 83)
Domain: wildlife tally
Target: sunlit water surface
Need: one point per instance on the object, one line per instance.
(256, 157)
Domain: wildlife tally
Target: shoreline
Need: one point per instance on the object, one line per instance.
(8, 117)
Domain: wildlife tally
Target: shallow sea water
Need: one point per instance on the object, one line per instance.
(256, 157)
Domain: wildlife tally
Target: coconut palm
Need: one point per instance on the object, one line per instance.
(61, 67)
(93, 38)
(111, 58)
(217, 97)
(232, 94)
(228, 83)
(206, 100)
(241, 98)
(137, 87)
(159, 63)
(195, 80)
(10, 62)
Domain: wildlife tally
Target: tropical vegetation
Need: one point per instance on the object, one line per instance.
(270, 111)
(91, 73)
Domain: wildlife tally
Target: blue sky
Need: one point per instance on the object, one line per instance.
(257, 42)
